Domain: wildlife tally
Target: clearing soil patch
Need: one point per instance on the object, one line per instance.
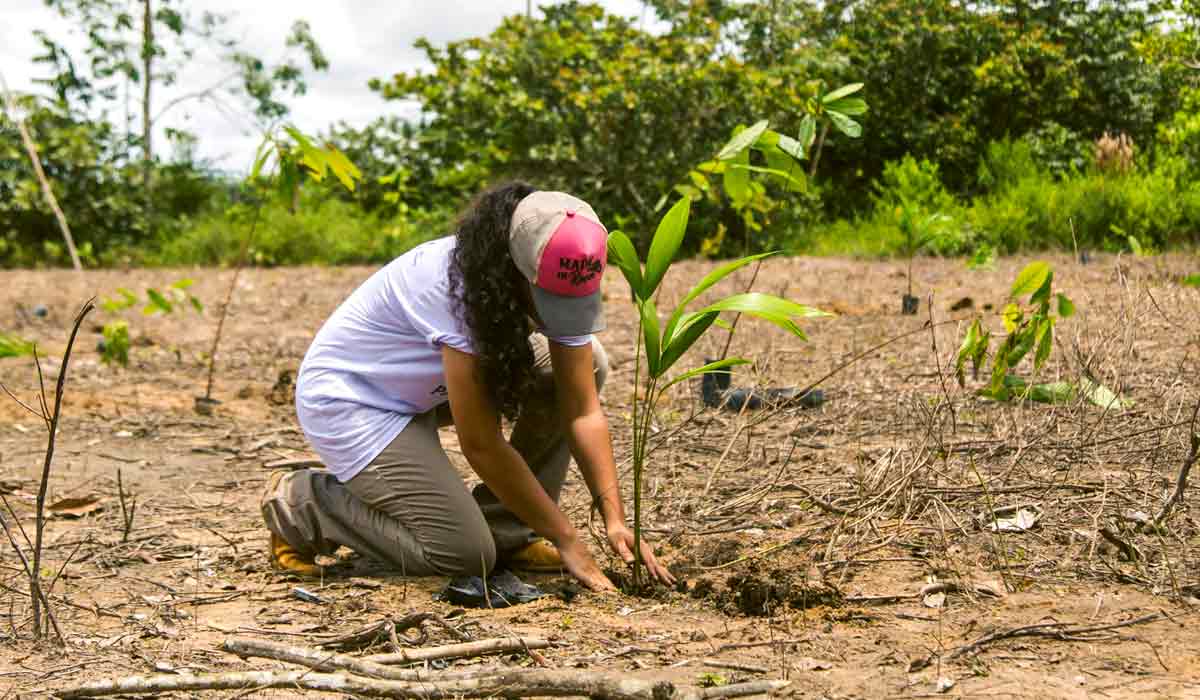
(853, 549)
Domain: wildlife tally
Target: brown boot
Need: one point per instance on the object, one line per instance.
(285, 557)
(538, 556)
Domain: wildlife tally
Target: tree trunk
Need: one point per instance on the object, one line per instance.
(147, 82)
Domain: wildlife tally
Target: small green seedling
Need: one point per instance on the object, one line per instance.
(664, 345)
(1029, 328)
(983, 259)
(919, 229)
(115, 348)
(156, 301)
(711, 680)
(14, 346)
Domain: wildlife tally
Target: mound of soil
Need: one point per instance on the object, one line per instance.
(766, 592)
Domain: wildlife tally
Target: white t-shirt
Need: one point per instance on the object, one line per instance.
(377, 361)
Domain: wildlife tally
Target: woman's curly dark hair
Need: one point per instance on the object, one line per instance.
(486, 287)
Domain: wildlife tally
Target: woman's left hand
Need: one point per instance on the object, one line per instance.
(620, 538)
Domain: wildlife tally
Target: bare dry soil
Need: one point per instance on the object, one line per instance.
(850, 549)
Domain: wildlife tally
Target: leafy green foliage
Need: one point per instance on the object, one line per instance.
(984, 258)
(14, 346)
(1029, 327)
(156, 301)
(115, 348)
(758, 149)
(596, 106)
(1003, 109)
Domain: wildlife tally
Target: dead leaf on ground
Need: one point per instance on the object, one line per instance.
(76, 507)
(1020, 520)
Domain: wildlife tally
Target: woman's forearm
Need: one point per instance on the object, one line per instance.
(505, 472)
(589, 440)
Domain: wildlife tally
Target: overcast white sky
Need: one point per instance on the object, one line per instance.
(362, 39)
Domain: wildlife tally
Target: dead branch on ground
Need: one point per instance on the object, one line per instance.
(508, 684)
(1055, 630)
(502, 645)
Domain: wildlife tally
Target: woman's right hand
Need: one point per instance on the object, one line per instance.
(579, 562)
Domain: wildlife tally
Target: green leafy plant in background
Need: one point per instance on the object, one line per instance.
(1029, 328)
(984, 258)
(778, 156)
(836, 109)
(14, 346)
(663, 345)
(919, 229)
(115, 347)
(156, 301)
(285, 160)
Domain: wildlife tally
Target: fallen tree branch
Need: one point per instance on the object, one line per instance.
(1053, 630)
(507, 684)
(501, 645)
(318, 659)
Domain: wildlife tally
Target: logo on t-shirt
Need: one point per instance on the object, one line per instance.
(439, 390)
(579, 270)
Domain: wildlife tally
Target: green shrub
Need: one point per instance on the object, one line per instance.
(1058, 150)
(1159, 207)
(909, 181)
(1005, 164)
(329, 232)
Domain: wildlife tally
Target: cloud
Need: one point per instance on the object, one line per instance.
(362, 40)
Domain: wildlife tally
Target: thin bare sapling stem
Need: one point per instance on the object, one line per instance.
(44, 616)
(126, 512)
(816, 160)
(237, 271)
(638, 457)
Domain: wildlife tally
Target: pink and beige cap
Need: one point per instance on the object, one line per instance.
(560, 246)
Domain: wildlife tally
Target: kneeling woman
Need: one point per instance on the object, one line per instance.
(443, 335)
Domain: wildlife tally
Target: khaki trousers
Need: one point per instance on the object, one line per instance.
(410, 508)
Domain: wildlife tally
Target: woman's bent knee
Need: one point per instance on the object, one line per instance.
(471, 556)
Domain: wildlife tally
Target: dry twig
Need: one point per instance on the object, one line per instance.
(1053, 630)
(1181, 482)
